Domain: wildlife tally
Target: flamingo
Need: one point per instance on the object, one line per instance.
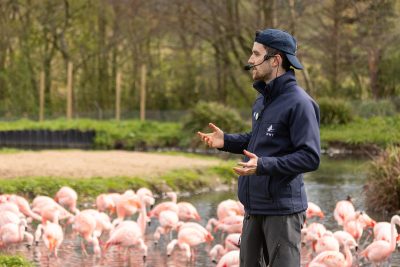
(12, 233)
(52, 236)
(380, 250)
(67, 197)
(104, 202)
(326, 243)
(225, 208)
(188, 237)
(166, 205)
(85, 225)
(23, 206)
(343, 210)
(333, 259)
(187, 212)
(230, 259)
(10, 217)
(314, 210)
(168, 220)
(231, 243)
(127, 235)
(127, 206)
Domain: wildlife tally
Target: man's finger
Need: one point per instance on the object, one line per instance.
(249, 154)
(213, 127)
(243, 164)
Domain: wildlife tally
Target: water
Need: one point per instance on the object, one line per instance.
(335, 180)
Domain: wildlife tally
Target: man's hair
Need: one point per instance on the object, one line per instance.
(285, 62)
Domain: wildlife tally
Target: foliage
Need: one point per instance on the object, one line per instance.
(129, 134)
(346, 47)
(383, 187)
(14, 261)
(370, 108)
(180, 180)
(334, 111)
(382, 131)
(203, 113)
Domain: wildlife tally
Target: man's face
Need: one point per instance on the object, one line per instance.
(264, 70)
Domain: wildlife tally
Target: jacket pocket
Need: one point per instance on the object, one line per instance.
(242, 190)
(260, 192)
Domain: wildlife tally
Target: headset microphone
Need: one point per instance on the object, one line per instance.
(250, 66)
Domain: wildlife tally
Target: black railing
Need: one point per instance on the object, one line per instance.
(39, 139)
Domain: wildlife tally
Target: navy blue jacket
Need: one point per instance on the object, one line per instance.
(285, 137)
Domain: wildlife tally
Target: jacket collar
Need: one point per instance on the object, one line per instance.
(276, 86)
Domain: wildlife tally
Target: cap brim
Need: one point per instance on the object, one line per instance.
(294, 61)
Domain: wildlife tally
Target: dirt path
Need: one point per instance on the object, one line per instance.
(85, 164)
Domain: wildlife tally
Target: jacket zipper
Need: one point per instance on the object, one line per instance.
(252, 150)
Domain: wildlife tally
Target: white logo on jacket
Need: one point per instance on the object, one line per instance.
(270, 131)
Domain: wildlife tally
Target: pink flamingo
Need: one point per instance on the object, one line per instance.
(85, 225)
(382, 231)
(230, 224)
(225, 208)
(230, 259)
(103, 222)
(10, 206)
(166, 205)
(104, 202)
(343, 210)
(188, 212)
(127, 206)
(333, 259)
(127, 235)
(67, 197)
(314, 210)
(326, 243)
(344, 237)
(380, 250)
(52, 236)
(12, 233)
(42, 205)
(23, 206)
(231, 243)
(188, 237)
(10, 217)
(312, 233)
(168, 221)
(146, 196)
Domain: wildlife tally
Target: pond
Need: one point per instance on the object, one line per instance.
(335, 180)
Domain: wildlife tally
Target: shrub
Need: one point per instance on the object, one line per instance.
(334, 111)
(14, 261)
(371, 108)
(224, 117)
(383, 185)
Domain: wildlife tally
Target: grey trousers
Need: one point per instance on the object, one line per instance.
(272, 241)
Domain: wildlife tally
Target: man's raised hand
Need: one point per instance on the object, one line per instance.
(214, 139)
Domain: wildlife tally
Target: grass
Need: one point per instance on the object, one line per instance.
(184, 180)
(382, 131)
(14, 261)
(137, 135)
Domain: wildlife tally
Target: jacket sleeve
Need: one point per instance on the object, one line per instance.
(236, 143)
(305, 137)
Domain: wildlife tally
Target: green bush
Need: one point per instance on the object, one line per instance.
(14, 261)
(227, 119)
(334, 111)
(383, 186)
(371, 108)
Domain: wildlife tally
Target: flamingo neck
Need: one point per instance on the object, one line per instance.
(348, 255)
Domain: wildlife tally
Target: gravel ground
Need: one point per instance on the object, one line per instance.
(86, 164)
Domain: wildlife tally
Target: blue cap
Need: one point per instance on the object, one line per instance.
(281, 41)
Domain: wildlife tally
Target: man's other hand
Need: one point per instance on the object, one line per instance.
(249, 167)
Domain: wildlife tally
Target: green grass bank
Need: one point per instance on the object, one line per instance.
(137, 135)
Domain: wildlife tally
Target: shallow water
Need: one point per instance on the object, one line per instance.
(332, 182)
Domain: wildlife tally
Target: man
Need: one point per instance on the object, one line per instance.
(283, 144)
